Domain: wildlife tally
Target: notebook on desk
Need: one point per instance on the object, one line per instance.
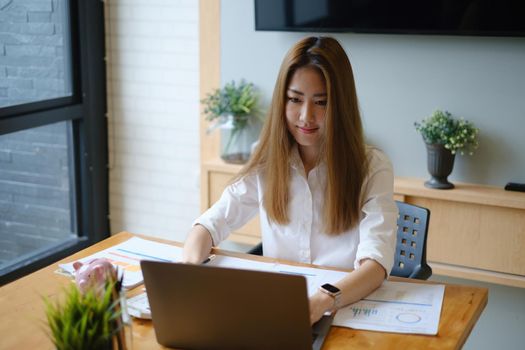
(207, 307)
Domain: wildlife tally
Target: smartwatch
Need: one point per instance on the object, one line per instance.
(332, 291)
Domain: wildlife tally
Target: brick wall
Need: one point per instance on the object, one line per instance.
(34, 190)
(153, 115)
(31, 51)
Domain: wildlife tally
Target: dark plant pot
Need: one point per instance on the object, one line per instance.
(440, 162)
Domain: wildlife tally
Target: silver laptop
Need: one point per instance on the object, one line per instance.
(207, 307)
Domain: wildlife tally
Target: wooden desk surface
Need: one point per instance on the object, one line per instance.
(23, 325)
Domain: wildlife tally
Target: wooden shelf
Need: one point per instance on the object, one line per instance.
(406, 186)
(478, 275)
(463, 192)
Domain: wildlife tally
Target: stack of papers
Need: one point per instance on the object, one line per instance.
(126, 257)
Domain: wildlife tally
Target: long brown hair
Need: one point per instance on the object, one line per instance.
(343, 147)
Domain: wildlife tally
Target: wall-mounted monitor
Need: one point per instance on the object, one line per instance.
(442, 17)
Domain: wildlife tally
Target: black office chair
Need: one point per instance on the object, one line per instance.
(410, 260)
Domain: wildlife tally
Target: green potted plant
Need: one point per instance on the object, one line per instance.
(233, 109)
(90, 319)
(445, 136)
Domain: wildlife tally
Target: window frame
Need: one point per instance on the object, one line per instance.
(86, 108)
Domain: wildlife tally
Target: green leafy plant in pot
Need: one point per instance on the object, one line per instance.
(233, 109)
(89, 317)
(445, 136)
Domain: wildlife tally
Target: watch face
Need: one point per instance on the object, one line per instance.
(330, 288)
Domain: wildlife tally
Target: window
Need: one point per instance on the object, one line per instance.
(37, 194)
(53, 135)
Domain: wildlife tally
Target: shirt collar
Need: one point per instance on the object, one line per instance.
(295, 158)
(297, 163)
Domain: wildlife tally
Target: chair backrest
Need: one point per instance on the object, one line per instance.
(411, 246)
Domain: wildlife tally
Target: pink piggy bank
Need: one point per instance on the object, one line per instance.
(93, 274)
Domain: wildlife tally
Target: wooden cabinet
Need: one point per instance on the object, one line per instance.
(476, 232)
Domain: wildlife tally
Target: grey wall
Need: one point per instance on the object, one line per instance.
(404, 78)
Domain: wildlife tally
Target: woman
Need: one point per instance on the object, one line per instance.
(323, 196)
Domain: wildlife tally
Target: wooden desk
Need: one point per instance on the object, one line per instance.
(23, 326)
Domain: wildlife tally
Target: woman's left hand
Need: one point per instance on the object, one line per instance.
(319, 304)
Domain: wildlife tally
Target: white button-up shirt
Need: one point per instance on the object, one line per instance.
(304, 239)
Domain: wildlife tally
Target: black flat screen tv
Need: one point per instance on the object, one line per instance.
(441, 17)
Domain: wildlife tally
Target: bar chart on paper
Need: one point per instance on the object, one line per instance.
(396, 307)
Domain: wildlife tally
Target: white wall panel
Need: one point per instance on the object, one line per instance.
(153, 115)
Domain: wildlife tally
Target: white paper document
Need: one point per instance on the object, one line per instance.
(397, 307)
(127, 256)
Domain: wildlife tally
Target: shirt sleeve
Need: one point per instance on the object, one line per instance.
(237, 205)
(377, 229)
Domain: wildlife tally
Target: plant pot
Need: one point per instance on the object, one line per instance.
(440, 162)
(238, 133)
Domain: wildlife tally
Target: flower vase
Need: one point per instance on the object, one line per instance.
(238, 133)
(440, 162)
